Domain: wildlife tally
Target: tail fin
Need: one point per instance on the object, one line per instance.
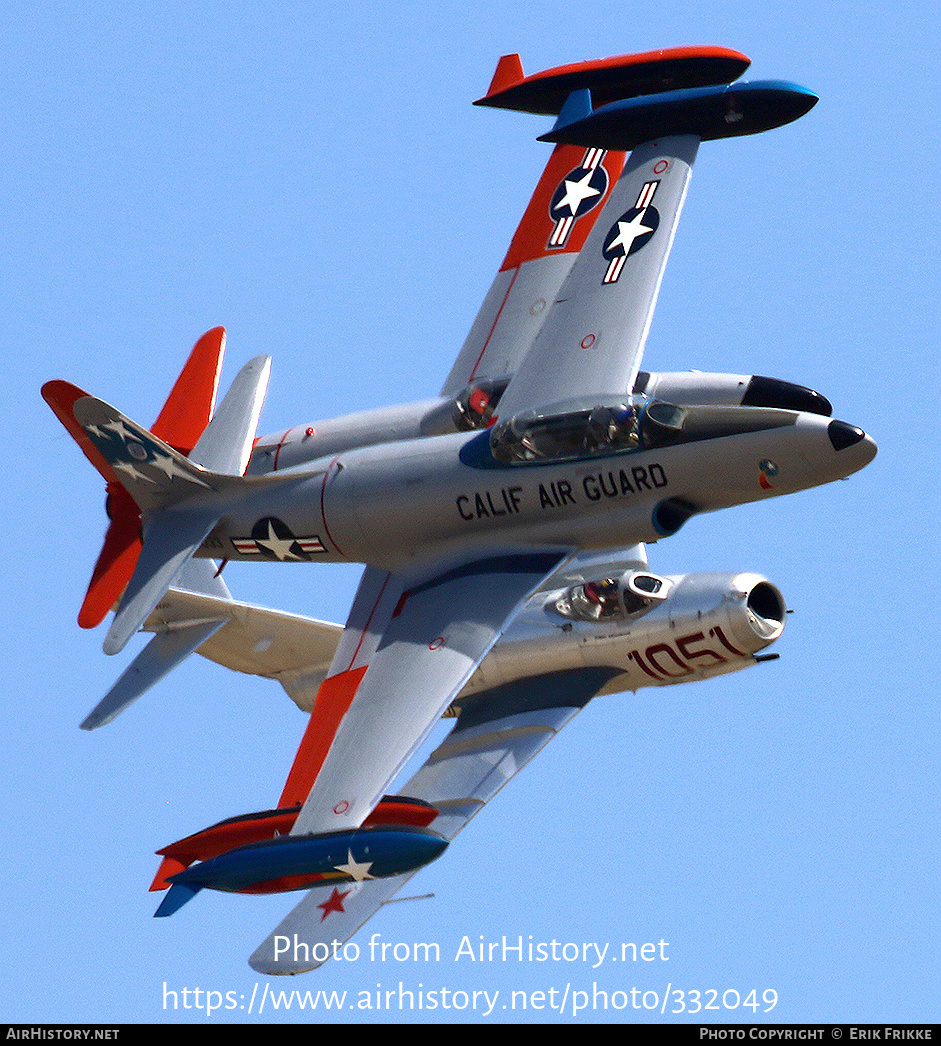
(226, 444)
(179, 894)
(189, 406)
(180, 423)
(162, 484)
(151, 471)
(169, 490)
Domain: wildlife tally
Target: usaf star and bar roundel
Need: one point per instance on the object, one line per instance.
(580, 191)
(633, 230)
(272, 538)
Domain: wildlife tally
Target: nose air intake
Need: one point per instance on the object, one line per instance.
(766, 605)
(843, 435)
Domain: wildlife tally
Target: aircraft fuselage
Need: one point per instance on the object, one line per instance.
(383, 505)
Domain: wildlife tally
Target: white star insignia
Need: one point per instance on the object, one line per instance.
(629, 231)
(358, 871)
(119, 429)
(577, 192)
(280, 547)
(168, 465)
(126, 466)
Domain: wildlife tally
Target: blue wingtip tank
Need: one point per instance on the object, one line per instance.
(296, 862)
(727, 111)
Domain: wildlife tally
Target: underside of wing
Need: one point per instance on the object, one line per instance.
(567, 200)
(571, 192)
(294, 650)
(408, 649)
(593, 336)
(497, 733)
(327, 916)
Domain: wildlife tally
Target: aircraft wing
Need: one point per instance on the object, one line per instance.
(563, 208)
(570, 194)
(294, 650)
(410, 645)
(496, 735)
(592, 340)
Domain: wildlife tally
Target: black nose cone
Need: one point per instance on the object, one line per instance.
(843, 435)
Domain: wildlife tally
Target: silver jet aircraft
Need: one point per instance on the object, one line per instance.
(502, 525)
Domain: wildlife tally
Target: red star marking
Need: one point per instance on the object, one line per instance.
(334, 903)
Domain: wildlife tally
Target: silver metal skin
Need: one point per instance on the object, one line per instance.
(386, 505)
(302, 444)
(501, 524)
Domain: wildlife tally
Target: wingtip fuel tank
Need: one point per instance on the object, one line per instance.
(297, 862)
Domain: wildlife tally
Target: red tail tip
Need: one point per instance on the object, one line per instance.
(509, 71)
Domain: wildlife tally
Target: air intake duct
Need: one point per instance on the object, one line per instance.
(670, 515)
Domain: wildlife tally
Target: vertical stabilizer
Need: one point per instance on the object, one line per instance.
(172, 494)
(180, 424)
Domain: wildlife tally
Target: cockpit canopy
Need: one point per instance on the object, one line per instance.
(613, 598)
(579, 429)
(618, 425)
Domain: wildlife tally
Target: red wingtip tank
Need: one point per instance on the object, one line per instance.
(611, 79)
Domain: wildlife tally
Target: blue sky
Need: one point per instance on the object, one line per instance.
(314, 178)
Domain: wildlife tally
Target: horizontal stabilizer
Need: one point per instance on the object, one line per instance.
(170, 538)
(178, 895)
(707, 112)
(163, 653)
(294, 650)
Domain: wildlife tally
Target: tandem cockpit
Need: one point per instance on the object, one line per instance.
(579, 429)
